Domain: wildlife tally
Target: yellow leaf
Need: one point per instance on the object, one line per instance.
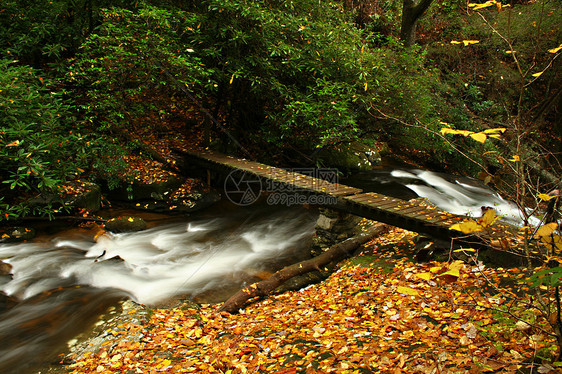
(479, 137)
(537, 74)
(487, 4)
(496, 130)
(466, 227)
(424, 276)
(468, 42)
(455, 42)
(435, 269)
(465, 250)
(509, 52)
(546, 230)
(458, 264)
(488, 218)
(366, 86)
(407, 290)
(166, 362)
(545, 197)
(495, 136)
(553, 242)
(515, 158)
(446, 130)
(130, 219)
(453, 273)
(554, 50)
(231, 79)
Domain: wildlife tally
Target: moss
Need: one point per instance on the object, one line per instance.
(125, 224)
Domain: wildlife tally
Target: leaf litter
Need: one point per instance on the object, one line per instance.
(379, 314)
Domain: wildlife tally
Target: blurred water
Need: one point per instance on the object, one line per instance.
(205, 257)
(454, 194)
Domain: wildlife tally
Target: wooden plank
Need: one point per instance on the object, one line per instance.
(382, 204)
(413, 209)
(358, 198)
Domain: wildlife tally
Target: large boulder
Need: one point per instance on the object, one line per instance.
(88, 196)
(125, 224)
(77, 194)
(158, 190)
(170, 194)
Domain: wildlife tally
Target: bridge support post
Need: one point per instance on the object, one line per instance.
(332, 227)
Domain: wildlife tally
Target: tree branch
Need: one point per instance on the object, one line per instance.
(334, 253)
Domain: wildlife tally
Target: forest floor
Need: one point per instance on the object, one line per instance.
(380, 312)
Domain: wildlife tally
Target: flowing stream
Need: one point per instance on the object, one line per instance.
(65, 280)
(454, 194)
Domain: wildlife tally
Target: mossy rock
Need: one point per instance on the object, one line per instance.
(16, 234)
(139, 191)
(125, 224)
(86, 195)
(89, 197)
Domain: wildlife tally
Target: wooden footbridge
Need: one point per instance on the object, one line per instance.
(411, 216)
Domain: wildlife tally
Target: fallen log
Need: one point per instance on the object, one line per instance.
(335, 253)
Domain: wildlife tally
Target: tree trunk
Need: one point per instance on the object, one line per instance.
(334, 253)
(411, 13)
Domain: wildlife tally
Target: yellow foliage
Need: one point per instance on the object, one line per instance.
(488, 218)
(466, 227)
(465, 250)
(465, 42)
(554, 50)
(553, 242)
(546, 230)
(453, 273)
(476, 6)
(446, 130)
(407, 290)
(495, 131)
(545, 197)
(425, 276)
(479, 137)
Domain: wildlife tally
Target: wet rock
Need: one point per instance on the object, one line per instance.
(6, 302)
(431, 249)
(332, 227)
(125, 224)
(5, 269)
(158, 190)
(88, 197)
(16, 234)
(79, 194)
(173, 194)
(326, 223)
(110, 323)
